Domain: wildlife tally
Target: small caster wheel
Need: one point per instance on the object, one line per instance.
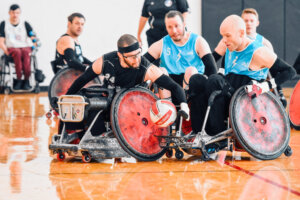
(6, 91)
(169, 153)
(37, 90)
(288, 151)
(49, 115)
(61, 156)
(179, 154)
(231, 148)
(86, 157)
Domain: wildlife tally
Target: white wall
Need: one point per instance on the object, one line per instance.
(106, 21)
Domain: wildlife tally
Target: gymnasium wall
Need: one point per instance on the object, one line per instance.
(279, 22)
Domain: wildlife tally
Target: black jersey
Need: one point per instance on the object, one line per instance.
(60, 60)
(156, 10)
(116, 75)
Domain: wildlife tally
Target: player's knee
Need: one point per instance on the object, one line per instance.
(16, 53)
(190, 71)
(197, 83)
(215, 79)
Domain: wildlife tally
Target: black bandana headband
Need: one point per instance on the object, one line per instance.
(133, 47)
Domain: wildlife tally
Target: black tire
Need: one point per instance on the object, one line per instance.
(169, 153)
(288, 151)
(179, 154)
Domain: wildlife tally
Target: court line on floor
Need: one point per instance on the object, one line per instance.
(262, 178)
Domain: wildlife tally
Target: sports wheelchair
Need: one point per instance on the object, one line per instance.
(134, 134)
(257, 124)
(7, 74)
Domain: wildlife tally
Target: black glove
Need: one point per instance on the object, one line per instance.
(227, 90)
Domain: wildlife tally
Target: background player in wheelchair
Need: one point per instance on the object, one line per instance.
(18, 40)
(124, 69)
(68, 49)
(69, 61)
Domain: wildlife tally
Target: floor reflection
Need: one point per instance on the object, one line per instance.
(169, 179)
(18, 134)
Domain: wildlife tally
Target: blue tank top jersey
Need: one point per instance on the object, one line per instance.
(258, 38)
(177, 58)
(237, 62)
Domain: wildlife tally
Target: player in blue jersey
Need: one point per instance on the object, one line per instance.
(245, 61)
(251, 19)
(182, 54)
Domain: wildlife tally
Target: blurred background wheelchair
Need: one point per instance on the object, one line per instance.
(8, 75)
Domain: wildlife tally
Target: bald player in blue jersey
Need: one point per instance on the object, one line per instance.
(182, 54)
(251, 19)
(246, 62)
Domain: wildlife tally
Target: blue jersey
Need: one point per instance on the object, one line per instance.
(258, 38)
(177, 58)
(237, 62)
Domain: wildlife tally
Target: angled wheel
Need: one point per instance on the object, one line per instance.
(294, 107)
(132, 126)
(259, 124)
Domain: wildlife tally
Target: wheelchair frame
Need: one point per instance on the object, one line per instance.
(97, 147)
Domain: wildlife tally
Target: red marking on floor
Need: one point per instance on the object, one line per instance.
(262, 178)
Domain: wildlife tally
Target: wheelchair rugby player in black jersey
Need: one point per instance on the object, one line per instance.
(124, 71)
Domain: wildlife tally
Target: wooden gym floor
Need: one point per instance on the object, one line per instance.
(29, 171)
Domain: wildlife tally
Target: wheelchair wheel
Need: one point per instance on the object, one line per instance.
(260, 125)
(62, 81)
(294, 107)
(132, 126)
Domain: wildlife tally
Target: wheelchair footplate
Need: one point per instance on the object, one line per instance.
(174, 142)
(96, 147)
(195, 144)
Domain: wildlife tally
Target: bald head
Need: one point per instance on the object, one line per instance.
(233, 30)
(233, 22)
